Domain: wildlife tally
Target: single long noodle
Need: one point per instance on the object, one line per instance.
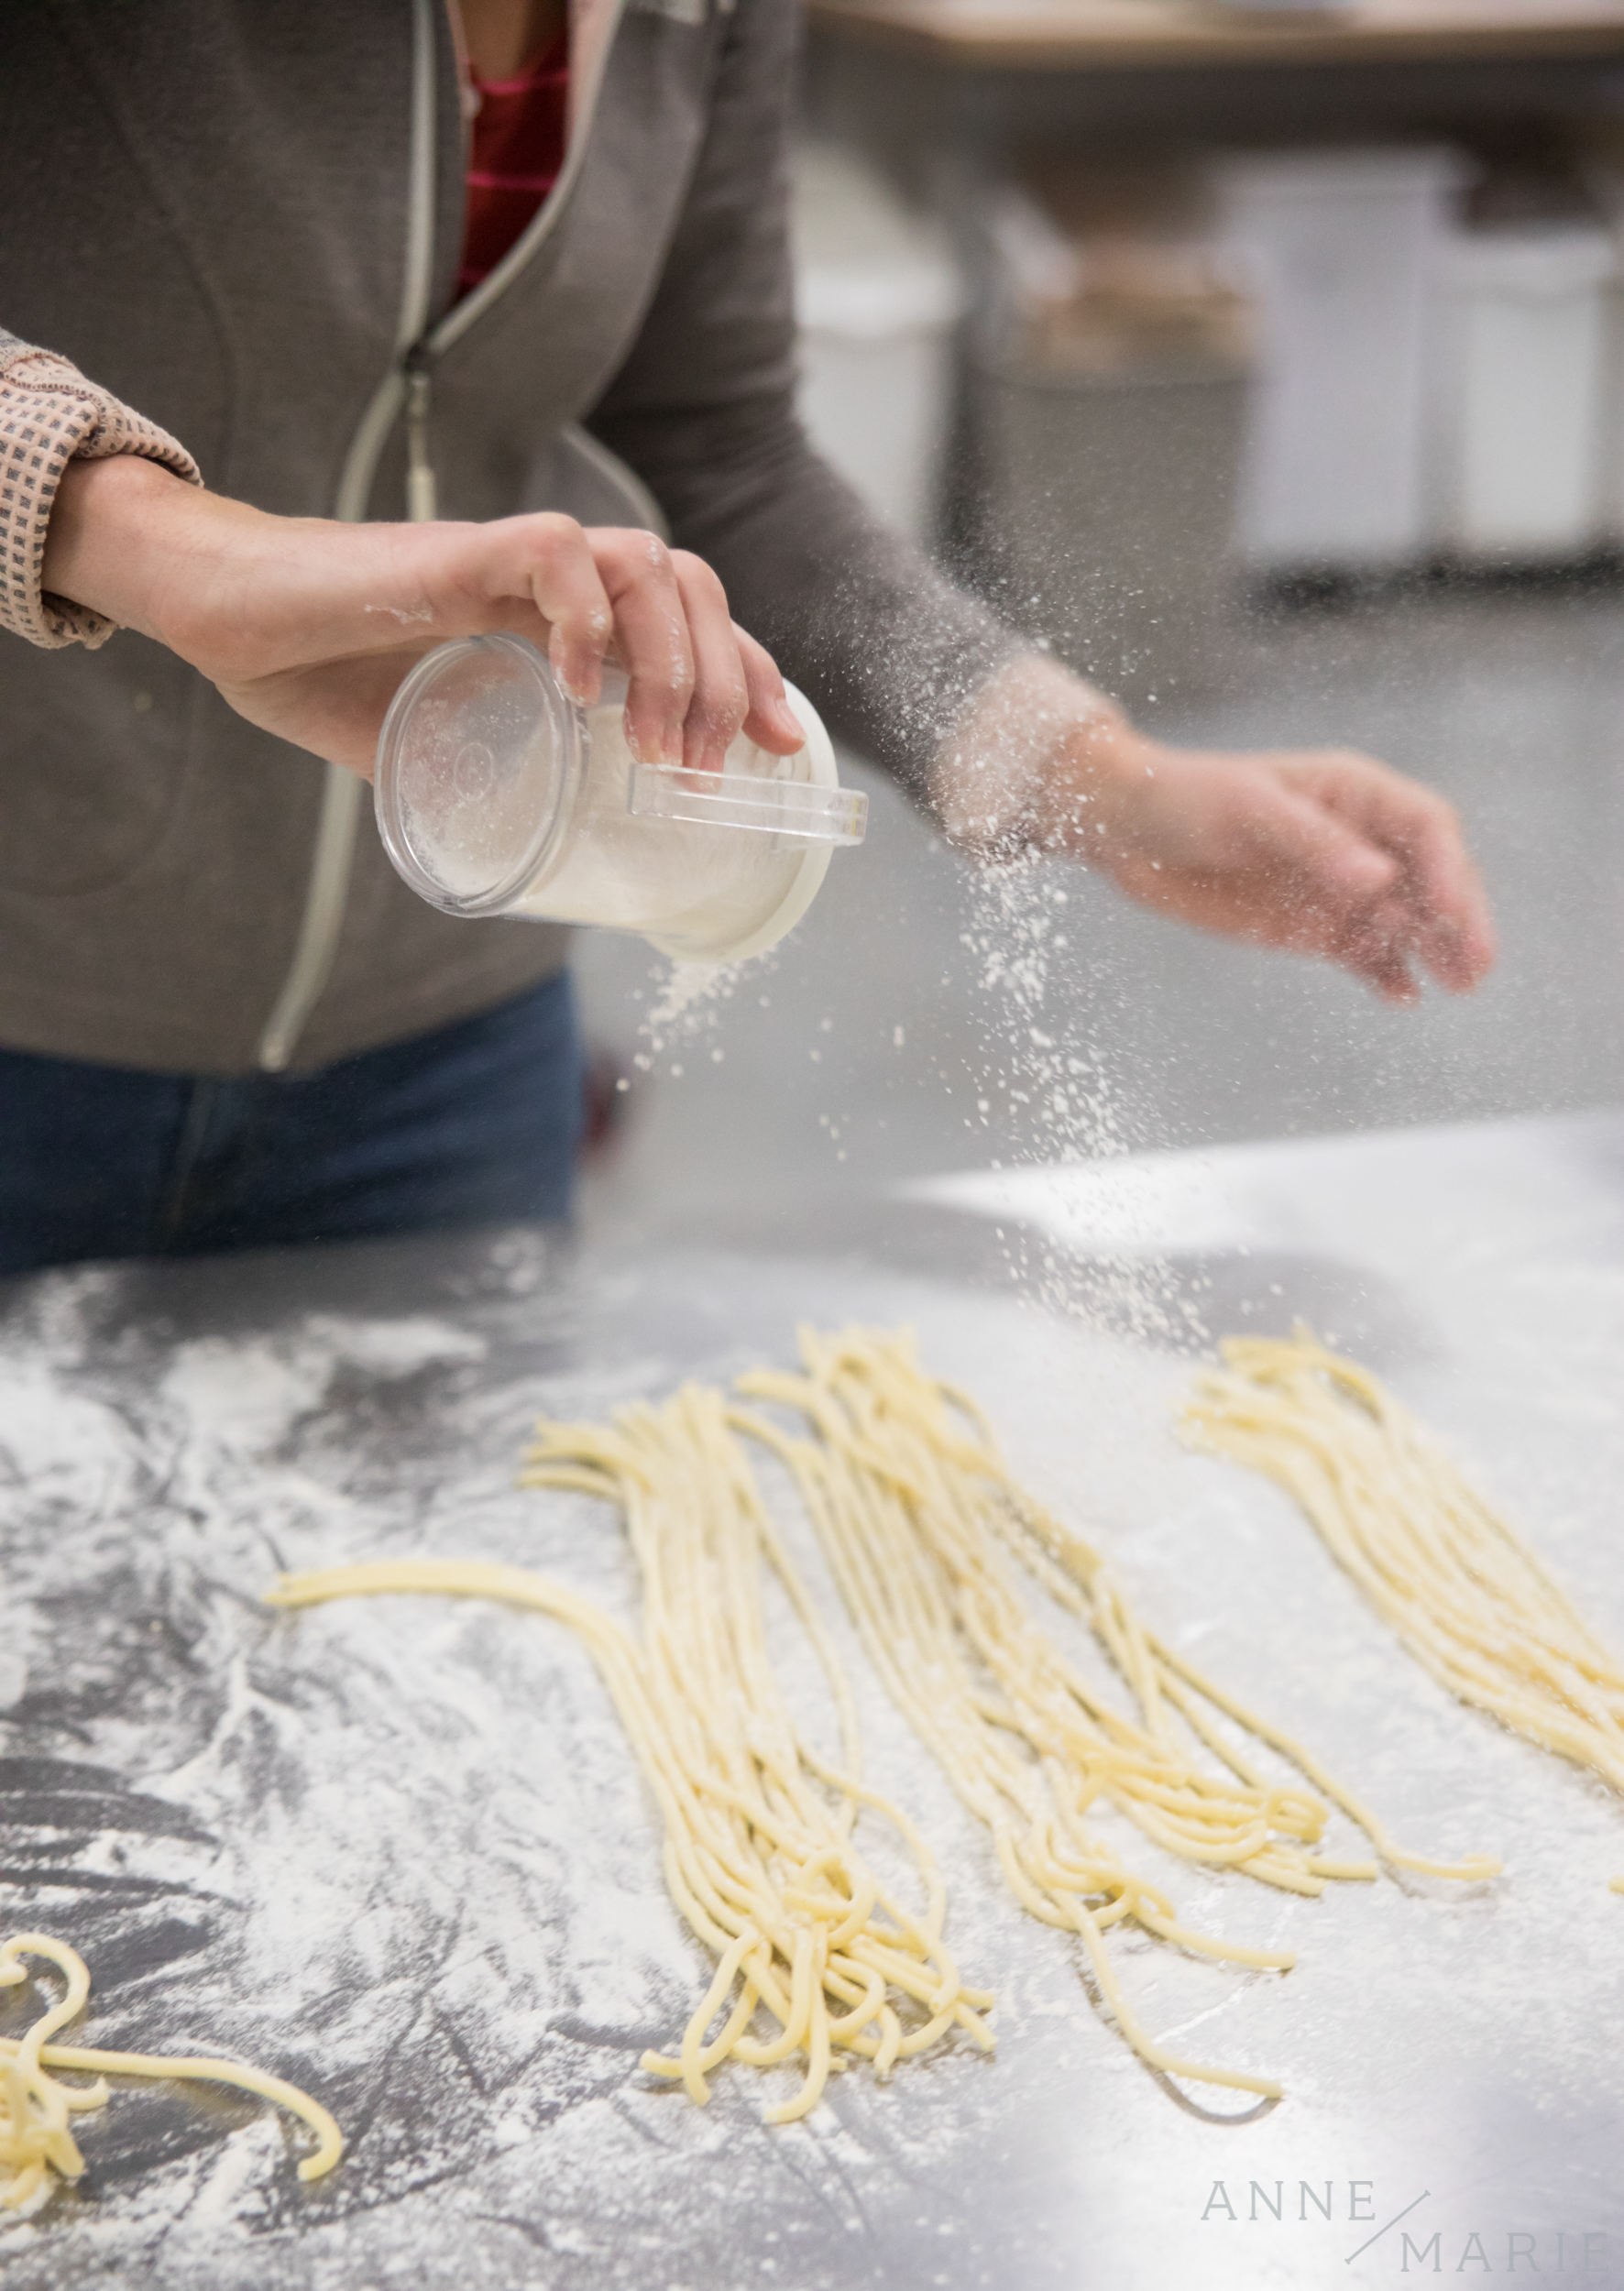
(1467, 1597)
(35, 2140)
(759, 1850)
(914, 1506)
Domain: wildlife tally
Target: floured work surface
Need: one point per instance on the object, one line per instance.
(396, 1852)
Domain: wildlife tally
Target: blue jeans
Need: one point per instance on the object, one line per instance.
(476, 1123)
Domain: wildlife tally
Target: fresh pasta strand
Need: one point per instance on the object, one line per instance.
(759, 1849)
(914, 1506)
(35, 2140)
(1466, 1595)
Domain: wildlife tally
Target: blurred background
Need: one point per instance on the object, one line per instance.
(1268, 364)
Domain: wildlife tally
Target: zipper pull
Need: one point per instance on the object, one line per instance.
(421, 507)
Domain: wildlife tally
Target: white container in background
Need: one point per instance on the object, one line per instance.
(878, 295)
(1522, 389)
(1344, 250)
(495, 794)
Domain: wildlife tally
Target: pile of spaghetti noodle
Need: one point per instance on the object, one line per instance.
(928, 1539)
(37, 2148)
(759, 1852)
(1467, 1597)
(918, 1516)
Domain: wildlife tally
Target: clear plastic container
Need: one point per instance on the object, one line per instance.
(495, 794)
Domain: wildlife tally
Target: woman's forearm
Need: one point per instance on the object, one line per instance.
(116, 526)
(307, 625)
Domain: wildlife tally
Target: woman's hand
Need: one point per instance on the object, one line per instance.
(1323, 851)
(307, 627)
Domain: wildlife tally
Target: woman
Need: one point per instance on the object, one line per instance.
(528, 279)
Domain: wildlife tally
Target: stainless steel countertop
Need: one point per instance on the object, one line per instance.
(396, 1850)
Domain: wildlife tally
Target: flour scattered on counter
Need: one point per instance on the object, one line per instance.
(247, 1394)
(395, 1348)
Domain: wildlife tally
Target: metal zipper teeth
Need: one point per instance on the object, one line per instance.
(407, 386)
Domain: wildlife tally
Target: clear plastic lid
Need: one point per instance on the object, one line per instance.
(764, 802)
(478, 762)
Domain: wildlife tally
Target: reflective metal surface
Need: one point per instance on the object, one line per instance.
(396, 1850)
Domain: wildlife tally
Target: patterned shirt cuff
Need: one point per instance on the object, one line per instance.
(49, 415)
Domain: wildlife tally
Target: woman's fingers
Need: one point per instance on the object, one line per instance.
(1318, 855)
(734, 683)
(772, 723)
(1386, 972)
(536, 575)
(651, 639)
(570, 595)
(1448, 905)
(1334, 854)
(1343, 884)
(696, 680)
(693, 678)
(1326, 854)
(722, 697)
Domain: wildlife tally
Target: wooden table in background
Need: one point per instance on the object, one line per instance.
(1140, 35)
